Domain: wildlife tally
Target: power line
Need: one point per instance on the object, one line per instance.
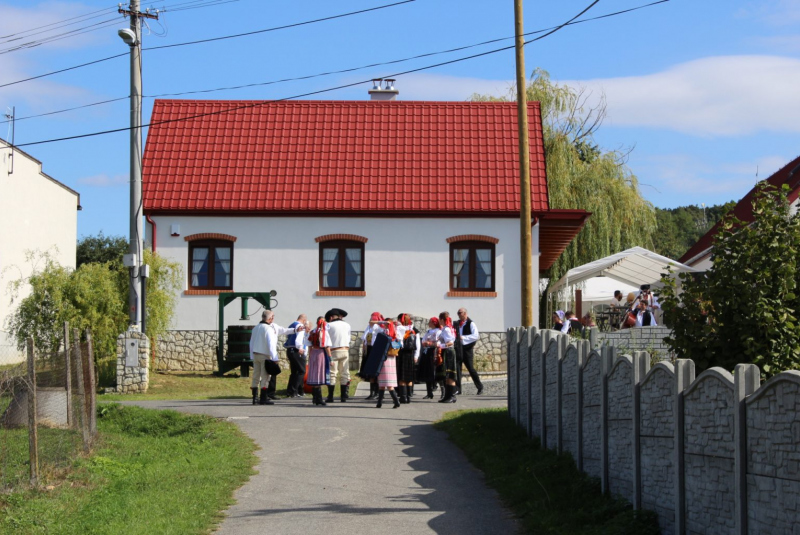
(71, 33)
(342, 71)
(311, 93)
(60, 24)
(294, 25)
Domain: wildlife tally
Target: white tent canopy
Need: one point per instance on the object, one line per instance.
(634, 266)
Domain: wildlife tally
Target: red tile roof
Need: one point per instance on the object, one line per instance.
(789, 174)
(340, 158)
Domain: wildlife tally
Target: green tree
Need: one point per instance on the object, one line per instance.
(582, 175)
(100, 249)
(746, 307)
(680, 228)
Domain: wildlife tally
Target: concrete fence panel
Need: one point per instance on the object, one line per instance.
(535, 378)
(570, 396)
(552, 367)
(523, 364)
(620, 428)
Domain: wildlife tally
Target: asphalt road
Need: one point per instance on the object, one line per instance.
(350, 468)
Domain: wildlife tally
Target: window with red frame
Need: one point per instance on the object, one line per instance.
(341, 265)
(211, 265)
(472, 266)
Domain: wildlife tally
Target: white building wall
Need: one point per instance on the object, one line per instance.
(406, 267)
(37, 213)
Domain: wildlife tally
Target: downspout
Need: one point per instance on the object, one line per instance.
(153, 223)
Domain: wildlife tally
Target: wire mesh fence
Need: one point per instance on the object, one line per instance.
(47, 412)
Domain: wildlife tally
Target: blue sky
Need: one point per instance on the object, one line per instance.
(704, 91)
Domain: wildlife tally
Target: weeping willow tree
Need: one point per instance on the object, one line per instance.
(581, 175)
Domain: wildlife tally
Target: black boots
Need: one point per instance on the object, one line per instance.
(331, 390)
(449, 394)
(373, 390)
(394, 398)
(345, 390)
(317, 396)
(401, 393)
(410, 391)
(380, 399)
(442, 390)
(429, 385)
(262, 400)
(254, 390)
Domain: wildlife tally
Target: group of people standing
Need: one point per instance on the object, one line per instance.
(395, 356)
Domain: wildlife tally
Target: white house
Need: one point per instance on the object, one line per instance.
(37, 213)
(368, 206)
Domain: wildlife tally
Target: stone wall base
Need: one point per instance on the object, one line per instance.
(132, 379)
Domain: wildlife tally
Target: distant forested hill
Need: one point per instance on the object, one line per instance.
(680, 228)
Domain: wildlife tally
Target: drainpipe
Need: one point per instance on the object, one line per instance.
(153, 223)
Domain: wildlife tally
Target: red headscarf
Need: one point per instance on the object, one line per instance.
(405, 319)
(321, 331)
(376, 316)
(449, 323)
(435, 322)
(390, 330)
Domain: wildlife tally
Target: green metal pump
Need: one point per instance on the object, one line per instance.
(238, 355)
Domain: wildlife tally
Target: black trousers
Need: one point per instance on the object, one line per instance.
(465, 356)
(297, 369)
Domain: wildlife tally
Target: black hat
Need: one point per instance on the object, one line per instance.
(644, 287)
(335, 312)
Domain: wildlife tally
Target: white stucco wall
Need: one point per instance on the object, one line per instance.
(37, 213)
(406, 267)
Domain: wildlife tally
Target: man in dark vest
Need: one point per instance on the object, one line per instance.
(467, 336)
(296, 355)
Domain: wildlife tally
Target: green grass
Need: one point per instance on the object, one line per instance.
(202, 385)
(57, 450)
(543, 489)
(151, 472)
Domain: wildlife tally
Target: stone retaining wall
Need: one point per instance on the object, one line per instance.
(715, 454)
(197, 351)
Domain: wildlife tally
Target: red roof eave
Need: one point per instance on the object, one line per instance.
(557, 229)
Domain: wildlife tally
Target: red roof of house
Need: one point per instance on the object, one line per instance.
(789, 174)
(340, 158)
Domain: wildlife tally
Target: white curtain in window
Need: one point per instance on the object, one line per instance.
(329, 266)
(459, 263)
(199, 256)
(223, 267)
(483, 272)
(353, 268)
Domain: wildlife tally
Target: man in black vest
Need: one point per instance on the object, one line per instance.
(467, 336)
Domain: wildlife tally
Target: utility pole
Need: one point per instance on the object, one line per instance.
(132, 38)
(526, 291)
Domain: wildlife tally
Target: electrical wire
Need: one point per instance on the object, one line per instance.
(311, 93)
(60, 24)
(340, 71)
(72, 33)
(294, 25)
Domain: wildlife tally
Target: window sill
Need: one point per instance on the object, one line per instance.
(341, 293)
(207, 292)
(461, 293)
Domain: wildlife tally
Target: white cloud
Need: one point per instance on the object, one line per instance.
(716, 96)
(775, 12)
(103, 181)
(782, 43)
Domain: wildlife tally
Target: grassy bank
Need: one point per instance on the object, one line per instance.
(202, 385)
(151, 472)
(543, 489)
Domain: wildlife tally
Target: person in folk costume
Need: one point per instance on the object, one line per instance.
(387, 378)
(368, 337)
(296, 355)
(427, 361)
(559, 319)
(264, 354)
(406, 357)
(340, 353)
(319, 360)
(446, 341)
(467, 336)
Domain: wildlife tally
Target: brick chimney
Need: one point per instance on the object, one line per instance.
(387, 92)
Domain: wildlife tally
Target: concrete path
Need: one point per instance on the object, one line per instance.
(350, 468)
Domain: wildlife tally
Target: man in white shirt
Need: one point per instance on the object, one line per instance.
(467, 336)
(264, 352)
(339, 331)
(296, 355)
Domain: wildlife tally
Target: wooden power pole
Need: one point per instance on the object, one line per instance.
(526, 290)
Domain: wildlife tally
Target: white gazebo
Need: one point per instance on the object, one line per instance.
(629, 269)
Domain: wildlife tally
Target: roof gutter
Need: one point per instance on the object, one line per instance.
(153, 223)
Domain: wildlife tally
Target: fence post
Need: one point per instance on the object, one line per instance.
(746, 380)
(68, 373)
(684, 376)
(563, 344)
(583, 353)
(641, 365)
(92, 385)
(606, 360)
(33, 437)
(81, 388)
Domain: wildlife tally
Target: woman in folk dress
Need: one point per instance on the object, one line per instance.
(427, 361)
(319, 360)
(446, 339)
(387, 378)
(373, 328)
(406, 357)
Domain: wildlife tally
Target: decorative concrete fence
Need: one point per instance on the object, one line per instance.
(712, 454)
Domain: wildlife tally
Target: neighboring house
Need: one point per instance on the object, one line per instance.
(37, 213)
(363, 205)
(699, 255)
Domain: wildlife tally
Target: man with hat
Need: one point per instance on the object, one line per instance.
(339, 331)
